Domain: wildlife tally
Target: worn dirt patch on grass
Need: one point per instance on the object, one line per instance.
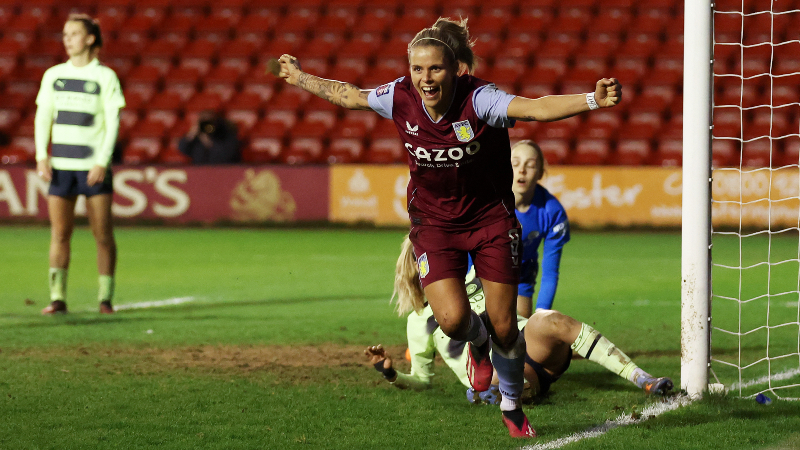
(292, 363)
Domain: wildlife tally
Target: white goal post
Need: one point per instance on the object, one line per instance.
(741, 110)
(696, 208)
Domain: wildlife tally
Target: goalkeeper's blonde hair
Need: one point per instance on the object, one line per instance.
(408, 291)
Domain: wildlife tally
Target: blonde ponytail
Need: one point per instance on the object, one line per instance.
(407, 288)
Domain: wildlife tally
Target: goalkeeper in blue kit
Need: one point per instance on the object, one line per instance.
(550, 338)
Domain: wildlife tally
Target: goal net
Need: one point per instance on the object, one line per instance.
(755, 198)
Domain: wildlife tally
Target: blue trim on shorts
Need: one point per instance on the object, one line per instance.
(71, 183)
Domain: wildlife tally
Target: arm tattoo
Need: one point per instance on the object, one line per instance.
(337, 92)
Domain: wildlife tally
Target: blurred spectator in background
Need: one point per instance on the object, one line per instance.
(212, 140)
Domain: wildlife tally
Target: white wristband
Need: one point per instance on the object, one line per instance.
(591, 101)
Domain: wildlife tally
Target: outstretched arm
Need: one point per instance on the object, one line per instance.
(337, 92)
(608, 93)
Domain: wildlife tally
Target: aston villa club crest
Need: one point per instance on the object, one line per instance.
(464, 131)
(422, 265)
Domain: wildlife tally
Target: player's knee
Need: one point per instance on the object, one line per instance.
(552, 322)
(454, 326)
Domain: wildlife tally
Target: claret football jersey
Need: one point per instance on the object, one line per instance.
(460, 166)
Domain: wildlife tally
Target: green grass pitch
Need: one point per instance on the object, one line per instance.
(266, 351)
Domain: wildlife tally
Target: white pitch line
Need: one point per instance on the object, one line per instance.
(766, 379)
(154, 303)
(625, 419)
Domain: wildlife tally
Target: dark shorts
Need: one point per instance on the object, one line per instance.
(70, 183)
(545, 379)
(442, 253)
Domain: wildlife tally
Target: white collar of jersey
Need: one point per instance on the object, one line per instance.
(453, 97)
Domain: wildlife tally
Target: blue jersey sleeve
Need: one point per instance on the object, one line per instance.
(381, 99)
(557, 235)
(491, 106)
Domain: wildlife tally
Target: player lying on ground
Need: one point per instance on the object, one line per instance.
(550, 336)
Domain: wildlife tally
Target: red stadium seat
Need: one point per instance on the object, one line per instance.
(758, 153)
(377, 19)
(531, 18)
(523, 130)
(669, 153)
(145, 142)
(164, 107)
(256, 27)
(791, 151)
(555, 151)
(23, 29)
(142, 80)
(199, 55)
(183, 81)
(244, 109)
(591, 152)
(10, 52)
(238, 54)
(563, 129)
(596, 130)
(203, 101)
(176, 29)
(347, 143)
(258, 81)
(214, 29)
(12, 109)
(267, 141)
(368, 118)
(299, 19)
(222, 81)
(632, 152)
(161, 54)
(724, 153)
(321, 112)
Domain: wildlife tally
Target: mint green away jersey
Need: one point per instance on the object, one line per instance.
(78, 110)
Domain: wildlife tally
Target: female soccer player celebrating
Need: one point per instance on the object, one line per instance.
(453, 126)
(550, 338)
(542, 219)
(78, 110)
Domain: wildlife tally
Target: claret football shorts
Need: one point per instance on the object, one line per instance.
(496, 250)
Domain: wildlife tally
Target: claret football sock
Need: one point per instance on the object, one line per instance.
(58, 283)
(595, 347)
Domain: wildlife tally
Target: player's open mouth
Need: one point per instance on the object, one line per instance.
(429, 91)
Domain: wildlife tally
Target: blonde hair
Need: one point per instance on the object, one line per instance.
(407, 288)
(452, 35)
(541, 163)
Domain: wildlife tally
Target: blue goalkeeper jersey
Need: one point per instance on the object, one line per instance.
(545, 220)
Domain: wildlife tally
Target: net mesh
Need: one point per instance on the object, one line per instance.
(755, 339)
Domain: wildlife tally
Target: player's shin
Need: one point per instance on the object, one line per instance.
(595, 347)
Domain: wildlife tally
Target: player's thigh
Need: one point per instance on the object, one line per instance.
(62, 216)
(501, 306)
(98, 209)
(546, 339)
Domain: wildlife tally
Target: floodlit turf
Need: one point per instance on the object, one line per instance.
(267, 352)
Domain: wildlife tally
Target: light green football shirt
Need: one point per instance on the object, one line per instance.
(425, 339)
(80, 107)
